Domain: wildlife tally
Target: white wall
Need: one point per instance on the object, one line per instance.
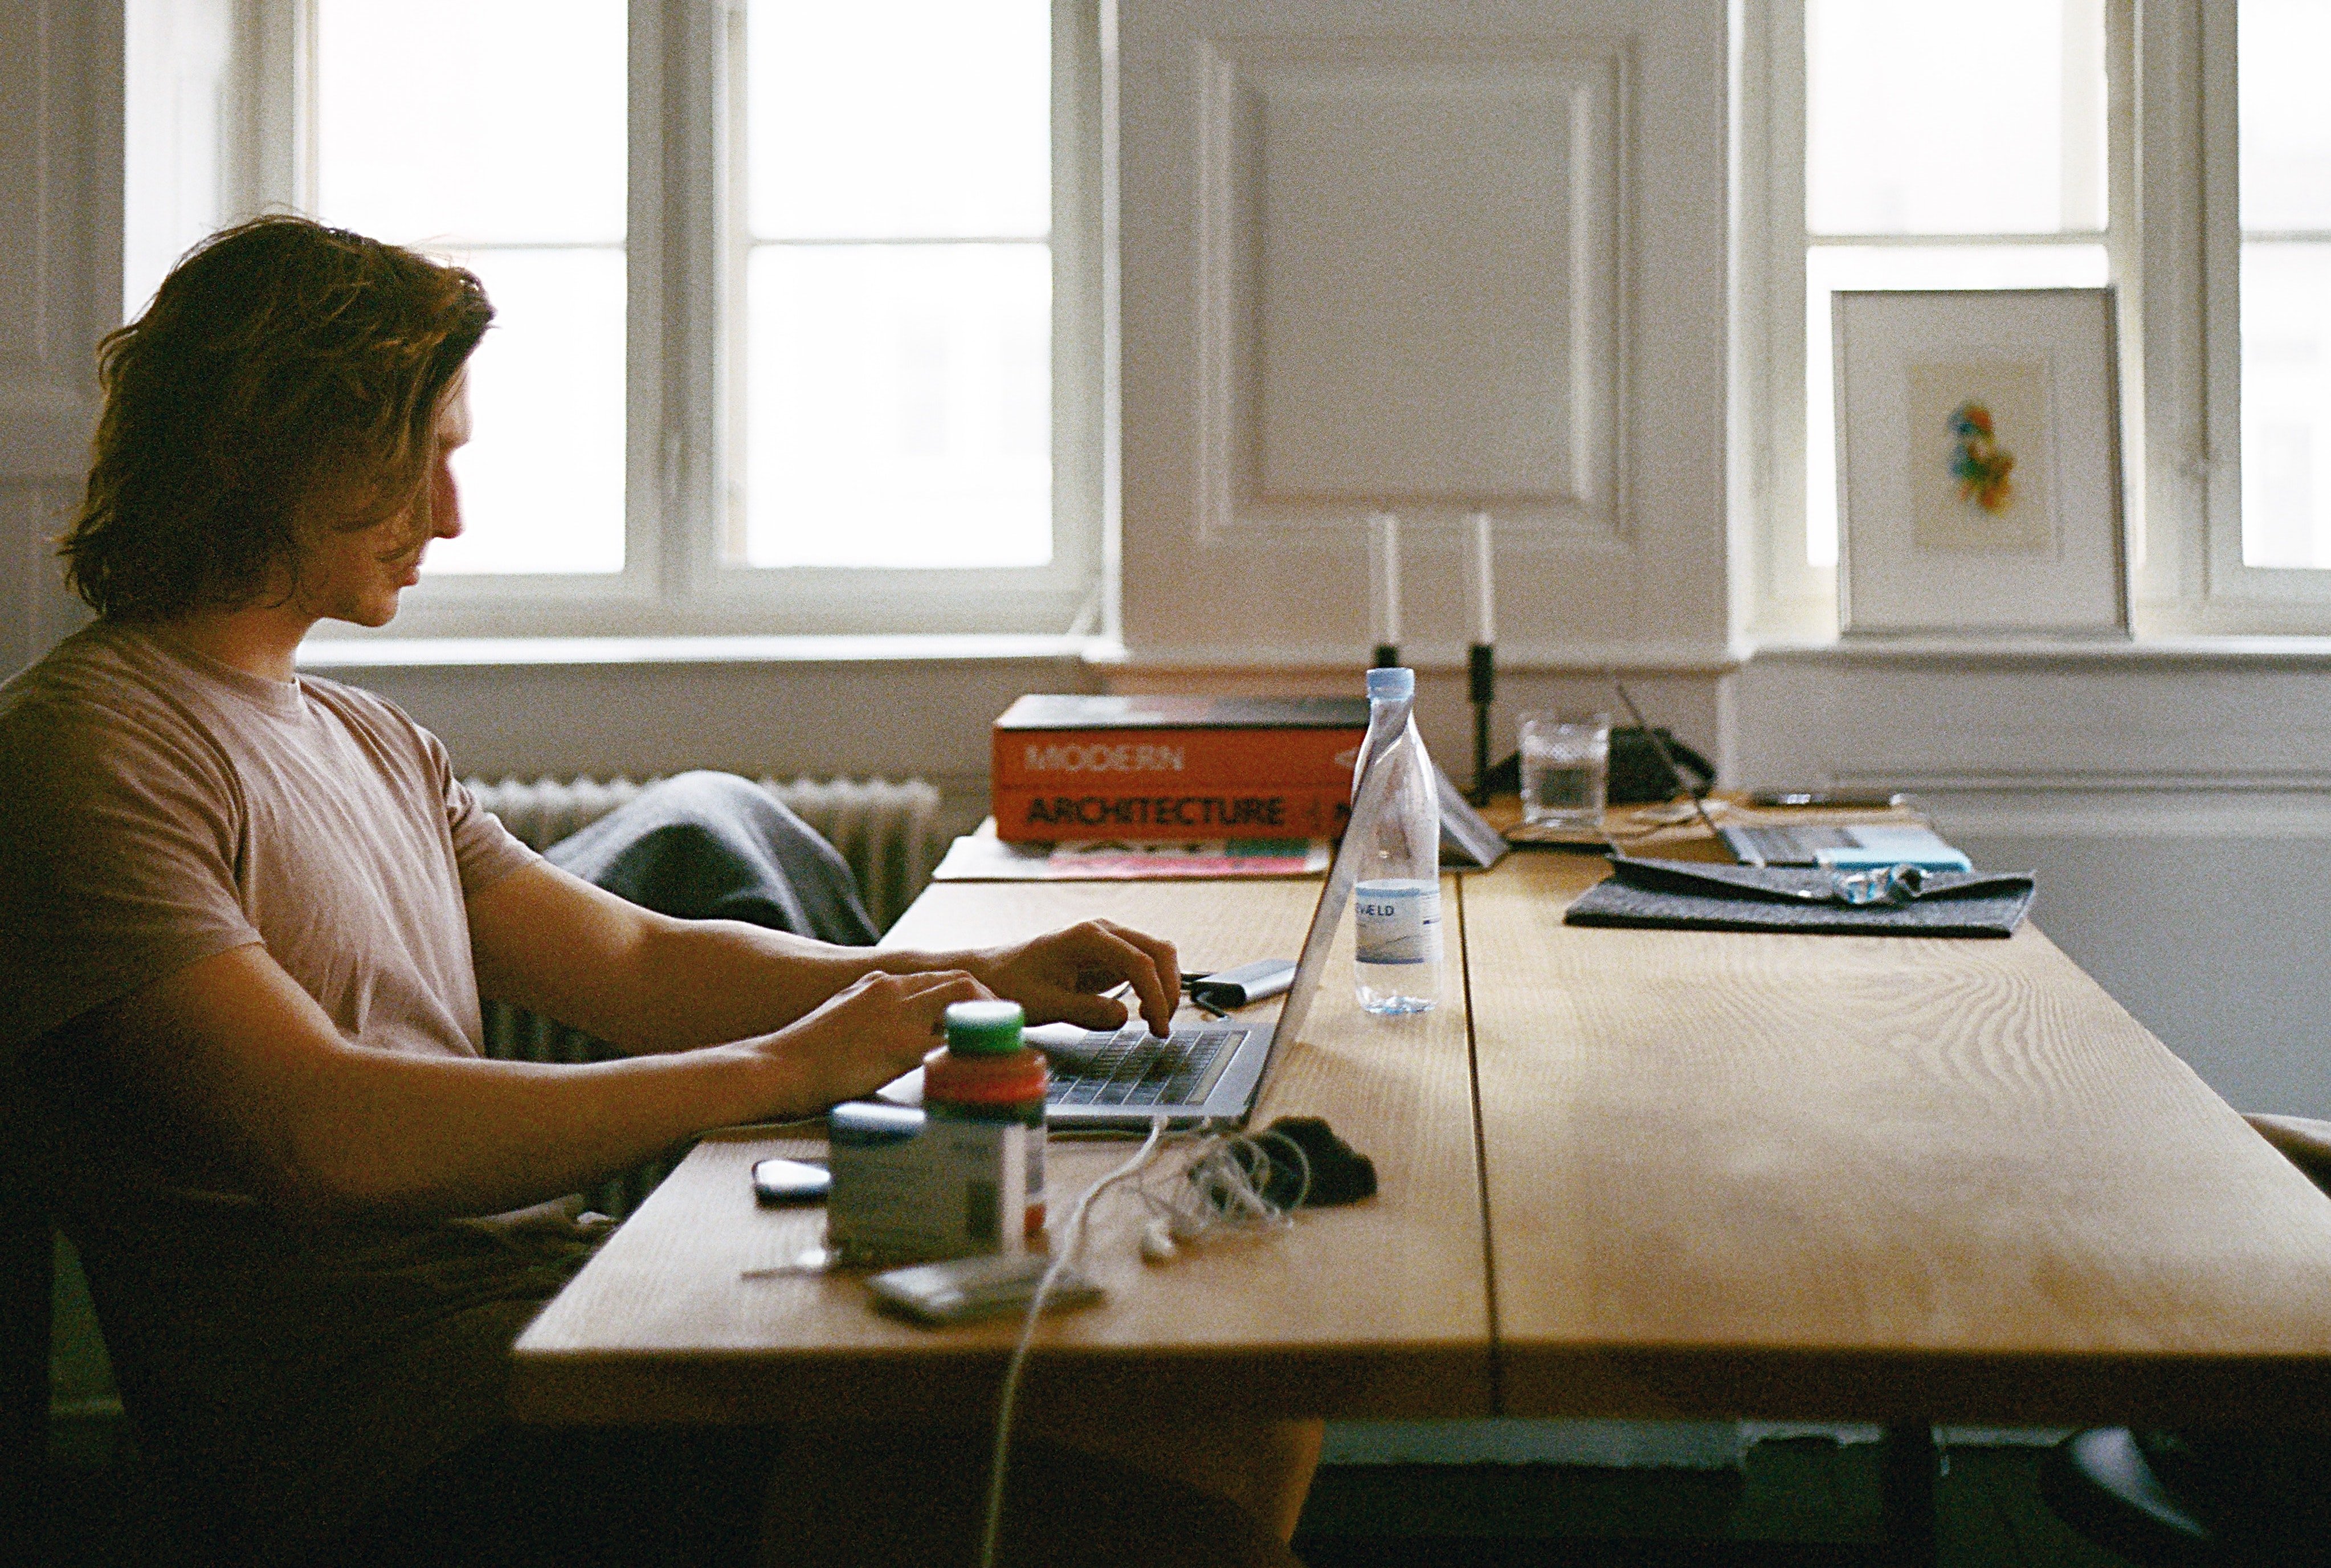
(2175, 800)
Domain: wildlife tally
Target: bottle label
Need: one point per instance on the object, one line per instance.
(1398, 921)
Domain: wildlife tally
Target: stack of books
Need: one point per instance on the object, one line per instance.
(1175, 769)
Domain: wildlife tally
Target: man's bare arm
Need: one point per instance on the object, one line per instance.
(642, 981)
(242, 1064)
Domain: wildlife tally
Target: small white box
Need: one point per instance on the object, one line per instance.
(908, 1186)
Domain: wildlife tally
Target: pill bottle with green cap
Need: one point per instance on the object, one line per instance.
(986, 1081)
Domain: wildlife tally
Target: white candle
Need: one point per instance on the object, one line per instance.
(1383, 578)
(1485, 614)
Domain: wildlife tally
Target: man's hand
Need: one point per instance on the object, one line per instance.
(1059, 978)
(864, 1035)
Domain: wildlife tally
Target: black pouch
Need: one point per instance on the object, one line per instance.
(1638, 775)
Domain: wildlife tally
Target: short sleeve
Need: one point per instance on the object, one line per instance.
(484, 851)
(116, 862)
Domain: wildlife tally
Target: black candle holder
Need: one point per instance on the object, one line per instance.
(1481, 677)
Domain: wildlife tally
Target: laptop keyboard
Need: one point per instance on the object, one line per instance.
(1132, 1068)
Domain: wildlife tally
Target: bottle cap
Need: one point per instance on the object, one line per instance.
(985, 1028)
(1396, 683)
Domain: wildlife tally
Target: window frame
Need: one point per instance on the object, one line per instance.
(2245, 596)
(2173, 241)
(685, 114)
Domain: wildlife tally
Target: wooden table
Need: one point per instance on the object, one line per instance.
(1378, 1311)
(1726, 1174)
(1870, 1178)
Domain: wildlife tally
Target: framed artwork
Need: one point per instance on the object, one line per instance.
(1978, 463)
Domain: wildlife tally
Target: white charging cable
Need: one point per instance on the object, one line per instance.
(1072, 1235)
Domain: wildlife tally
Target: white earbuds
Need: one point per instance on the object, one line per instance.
(1157, 1240)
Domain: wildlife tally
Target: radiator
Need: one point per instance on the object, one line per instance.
(889, 832)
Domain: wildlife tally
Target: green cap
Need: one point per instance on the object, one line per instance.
(983, 1028)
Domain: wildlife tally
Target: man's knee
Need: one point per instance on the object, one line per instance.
(711, 797)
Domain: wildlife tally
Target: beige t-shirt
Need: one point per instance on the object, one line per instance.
(161, 808)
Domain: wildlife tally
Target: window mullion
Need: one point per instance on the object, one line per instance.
(736, 242)
(1791, 599)
(647, 490)
(2215, 452)
(2151, 569)
(693, 170)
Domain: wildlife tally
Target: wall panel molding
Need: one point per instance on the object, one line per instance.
(60, 195)
(2191, 743)
(1384, 257)
(1408, 279)
(61, 143)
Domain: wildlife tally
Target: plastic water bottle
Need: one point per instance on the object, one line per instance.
(1396, 903)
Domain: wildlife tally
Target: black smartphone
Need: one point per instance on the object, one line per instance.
(790, 1182)
(1834, 798)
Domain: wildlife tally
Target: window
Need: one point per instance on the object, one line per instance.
(1911, 146)
(1946, 147)
(898, 280)
(2285, 191)
(2179, 150)
(507, 155)
(799, 323)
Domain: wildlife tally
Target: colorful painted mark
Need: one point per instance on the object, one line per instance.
(1978, 461)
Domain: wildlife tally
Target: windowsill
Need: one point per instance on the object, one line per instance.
(2218, 653)
(491, 652)
(2185, 652)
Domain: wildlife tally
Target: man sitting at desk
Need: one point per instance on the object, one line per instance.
(246, 918)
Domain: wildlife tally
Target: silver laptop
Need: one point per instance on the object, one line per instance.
(1211, 1073)
(1117, 1082)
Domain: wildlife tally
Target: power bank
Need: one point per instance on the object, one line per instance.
(963, 1289)
(1248, 983)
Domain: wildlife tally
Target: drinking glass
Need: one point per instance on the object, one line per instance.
(1565, 769)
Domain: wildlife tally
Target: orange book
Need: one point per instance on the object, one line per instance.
(1085, 812)
(1176, 768)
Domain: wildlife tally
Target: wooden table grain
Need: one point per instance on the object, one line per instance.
(1380, 1310)
(1867, 1178)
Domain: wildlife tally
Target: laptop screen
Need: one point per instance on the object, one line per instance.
(1335, 896)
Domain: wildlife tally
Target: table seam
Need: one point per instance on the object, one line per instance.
(1480, 1160)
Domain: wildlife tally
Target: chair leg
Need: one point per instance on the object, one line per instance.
(1907, 1463)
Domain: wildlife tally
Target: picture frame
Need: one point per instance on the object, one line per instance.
(1979, 464)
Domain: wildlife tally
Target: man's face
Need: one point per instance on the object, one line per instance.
(356, 574)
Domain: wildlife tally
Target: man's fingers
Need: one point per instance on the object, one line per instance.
(920, 999)
(1106, 948)
(928, 996)
(1161, 957)
(1089, 1012)
(950, 980)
